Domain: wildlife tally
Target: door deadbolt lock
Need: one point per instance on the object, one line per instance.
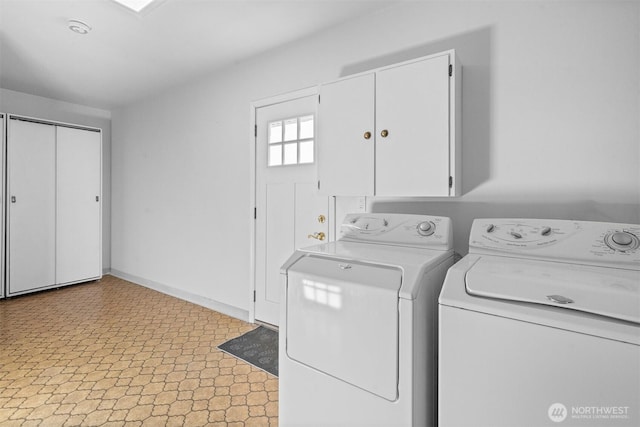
(322, 219)
(13, 199)
(319, 235)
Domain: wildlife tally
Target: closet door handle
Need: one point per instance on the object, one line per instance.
(13, 199)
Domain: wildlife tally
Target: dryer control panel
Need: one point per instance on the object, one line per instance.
(398, 229)
(583, 242)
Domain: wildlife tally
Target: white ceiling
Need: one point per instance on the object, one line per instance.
(128, 56)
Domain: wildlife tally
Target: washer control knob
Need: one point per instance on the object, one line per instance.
(516, 235)
(546, 231)
(622, 238)
(426, 228)
(622, 241)
(490, 228)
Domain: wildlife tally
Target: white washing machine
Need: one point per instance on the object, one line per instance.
(358, 324)
(540, 326)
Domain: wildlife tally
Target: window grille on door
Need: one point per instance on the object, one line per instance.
(291, 141)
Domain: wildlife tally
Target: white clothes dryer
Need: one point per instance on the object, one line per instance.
(540, 326)
(358, 324)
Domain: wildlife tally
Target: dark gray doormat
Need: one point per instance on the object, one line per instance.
(258, 347)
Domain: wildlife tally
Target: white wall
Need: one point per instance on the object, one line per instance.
(18, 103)
(551, 95)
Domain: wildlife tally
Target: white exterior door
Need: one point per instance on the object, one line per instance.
(78, 180)
(32, 206)
(289, 211)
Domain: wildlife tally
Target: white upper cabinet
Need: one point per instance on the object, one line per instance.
(393, 131)
(345, 134)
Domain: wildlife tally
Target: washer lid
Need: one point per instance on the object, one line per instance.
(607, 292)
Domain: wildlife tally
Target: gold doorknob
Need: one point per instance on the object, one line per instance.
(319, 235)
(322, 219)
(384, 133)
(367, 135)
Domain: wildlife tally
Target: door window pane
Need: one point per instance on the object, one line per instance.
(306, 127)
(275, 155)
(291, 129)
(306, 152)
(275, 132)
(290, 154)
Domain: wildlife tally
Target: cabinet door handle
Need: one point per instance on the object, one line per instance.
(384, 133)
(367, 135)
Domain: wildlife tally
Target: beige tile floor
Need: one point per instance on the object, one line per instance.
(112, 353)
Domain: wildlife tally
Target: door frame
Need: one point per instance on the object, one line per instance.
(265, 102)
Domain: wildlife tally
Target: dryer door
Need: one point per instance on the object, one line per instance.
(342, 319)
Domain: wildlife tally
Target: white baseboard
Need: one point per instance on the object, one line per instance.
(183, 295)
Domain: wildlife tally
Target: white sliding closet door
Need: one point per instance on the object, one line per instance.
(2, 204)
(78, 225)
(31, 205)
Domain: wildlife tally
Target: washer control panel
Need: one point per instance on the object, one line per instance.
(522, 234)
(398, 229)
(587, 242)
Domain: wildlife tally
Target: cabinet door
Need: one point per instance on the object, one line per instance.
(412, 106)
(78, 223)
(32, 202)
(345, 155)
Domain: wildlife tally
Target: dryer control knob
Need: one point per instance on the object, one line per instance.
(426, 228)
